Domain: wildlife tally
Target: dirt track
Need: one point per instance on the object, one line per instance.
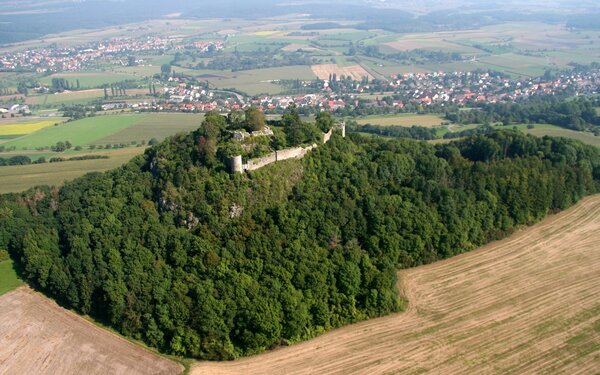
(527, 304)
(39, 337)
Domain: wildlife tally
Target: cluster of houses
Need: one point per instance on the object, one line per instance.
(17, 109)
(70, 59)
(467, 87)
(217, 101)
(194, 98)
(203, 46)
(459, 88)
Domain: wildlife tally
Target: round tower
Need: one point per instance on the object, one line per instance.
(236, 164)
(343, 126)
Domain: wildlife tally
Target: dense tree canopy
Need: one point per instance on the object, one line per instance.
(576, 114)
(173, 250)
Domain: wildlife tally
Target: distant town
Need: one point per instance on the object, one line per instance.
(73, 59)
(425, 89)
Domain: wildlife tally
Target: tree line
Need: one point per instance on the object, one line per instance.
(576, 114)
(26, 160)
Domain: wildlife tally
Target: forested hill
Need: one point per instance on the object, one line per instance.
(202, 263)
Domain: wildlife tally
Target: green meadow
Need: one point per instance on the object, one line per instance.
(8, 277)
(79, 133)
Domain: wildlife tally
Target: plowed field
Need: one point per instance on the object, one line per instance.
(39, 337)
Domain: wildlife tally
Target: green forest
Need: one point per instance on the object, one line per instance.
(576, 114)
(173, 250)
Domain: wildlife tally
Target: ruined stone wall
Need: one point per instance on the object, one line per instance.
(290, 153)
(254, 164)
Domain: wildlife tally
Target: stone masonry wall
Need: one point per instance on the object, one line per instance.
(289, 153)
(254, 164)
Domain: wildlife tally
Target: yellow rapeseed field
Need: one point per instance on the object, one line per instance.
(27, 128)
(266, 32)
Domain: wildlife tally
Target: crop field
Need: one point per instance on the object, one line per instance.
(72, 97)
(517, 64)
(402, 120)
(323, 71)
(256, 81)
(79, 133)
(23, 128)
(100, 130)
(89, 80)
(75, 97)
(39, 337)
(159, 126)
(528, 304)
(555, 131)
(430, 43)
(504, 47)
(22, 177)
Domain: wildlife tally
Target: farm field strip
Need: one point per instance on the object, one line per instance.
(22, 177)
(156, 125)
(25, 128)
(323, 71)
(528, 304)
(89, 79)
(38, 336)
(556, 131)
(79, 133)
(75, 97)
(402, 120)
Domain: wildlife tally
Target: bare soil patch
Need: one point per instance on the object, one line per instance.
(39, 337)
(528, 304)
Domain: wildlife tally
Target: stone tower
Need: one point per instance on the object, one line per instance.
(236, 164)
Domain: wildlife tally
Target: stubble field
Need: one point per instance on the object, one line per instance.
(529, 304)
(39, 337)
(323, 71)
(17, 178)
(404, 119)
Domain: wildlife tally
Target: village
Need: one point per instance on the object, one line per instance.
(425, 89)
(73, 59)
(464, 88)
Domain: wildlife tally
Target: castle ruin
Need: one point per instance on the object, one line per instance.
(237, 165)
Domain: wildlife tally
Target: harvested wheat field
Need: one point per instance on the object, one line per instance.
(39, 337)
(529, 304)
(323, 71)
